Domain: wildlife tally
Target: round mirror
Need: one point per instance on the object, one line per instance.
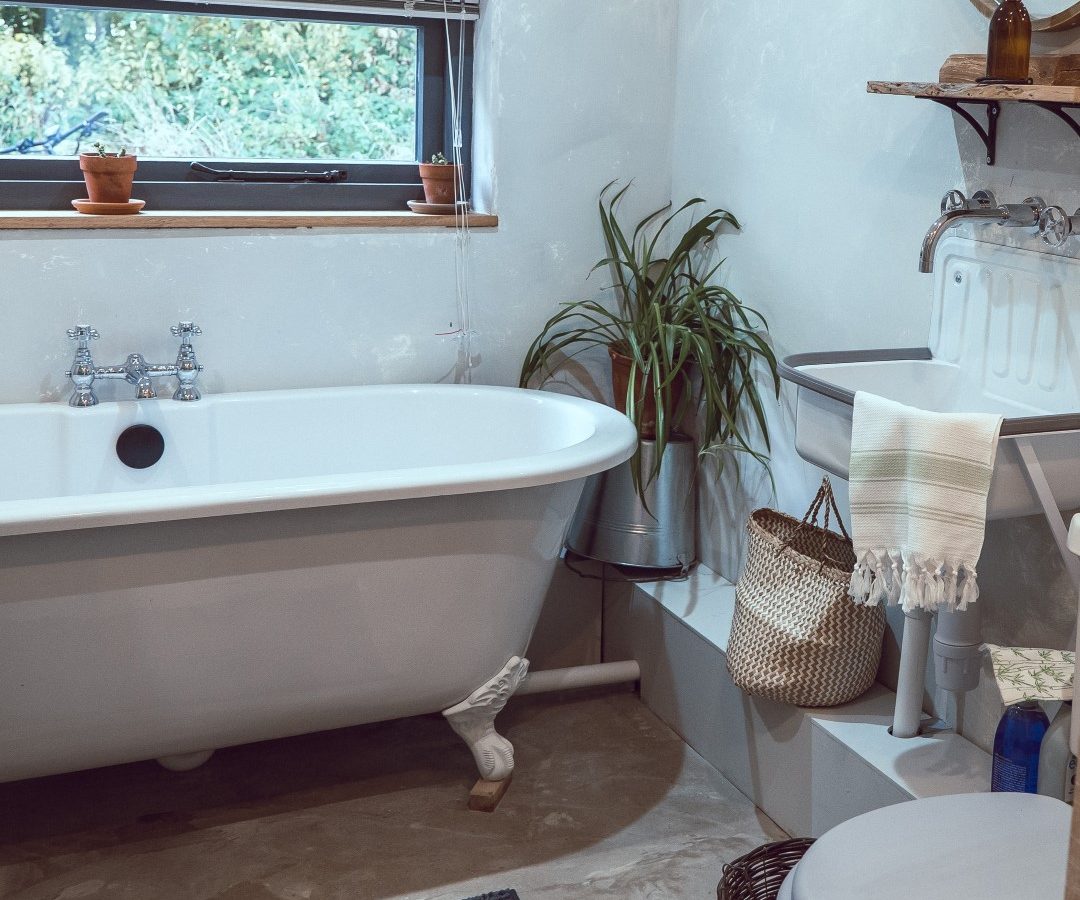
(1046, 15)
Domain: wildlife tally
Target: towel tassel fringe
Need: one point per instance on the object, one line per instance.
(913, 581)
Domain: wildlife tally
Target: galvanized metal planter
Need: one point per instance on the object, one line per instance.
(613, 525)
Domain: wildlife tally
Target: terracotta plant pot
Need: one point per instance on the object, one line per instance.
(620, 379)
(108, 178)
(439, 182)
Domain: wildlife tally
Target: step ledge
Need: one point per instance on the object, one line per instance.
(930, 765)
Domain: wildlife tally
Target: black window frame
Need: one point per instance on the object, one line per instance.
(41, 182)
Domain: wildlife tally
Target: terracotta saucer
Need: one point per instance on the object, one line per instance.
(108, 209)
(433, 209)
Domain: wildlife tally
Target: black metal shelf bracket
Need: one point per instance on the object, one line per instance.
(988, 135)
(1058, 109)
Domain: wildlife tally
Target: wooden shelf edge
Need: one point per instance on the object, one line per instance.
(156, 220)
(1023, 93)
(1055, 88)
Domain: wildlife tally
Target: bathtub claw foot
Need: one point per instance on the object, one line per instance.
(474, 721)
(184, 762)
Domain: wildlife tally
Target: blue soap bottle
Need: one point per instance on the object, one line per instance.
(1016, 748)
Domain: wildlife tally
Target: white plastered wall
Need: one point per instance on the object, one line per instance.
(835, 189)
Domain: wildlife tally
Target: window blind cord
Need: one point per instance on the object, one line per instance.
(463, 239)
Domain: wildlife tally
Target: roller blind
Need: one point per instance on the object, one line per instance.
(419, 8)
(403, 7)
(424, 9)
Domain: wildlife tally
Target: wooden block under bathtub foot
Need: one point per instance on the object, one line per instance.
(485, 795)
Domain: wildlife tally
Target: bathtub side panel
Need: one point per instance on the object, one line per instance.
(134, 642)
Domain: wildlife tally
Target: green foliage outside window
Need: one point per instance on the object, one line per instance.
(180, 86)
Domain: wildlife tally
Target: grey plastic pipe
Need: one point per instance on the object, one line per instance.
(957, 661)
(579, 677)
(957, 649)
(957, 655)
(907, 714)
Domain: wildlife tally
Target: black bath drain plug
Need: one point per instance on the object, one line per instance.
(140, 446)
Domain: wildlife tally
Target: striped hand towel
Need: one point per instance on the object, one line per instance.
(919, 482)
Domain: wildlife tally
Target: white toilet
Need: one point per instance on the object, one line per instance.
(963, 847)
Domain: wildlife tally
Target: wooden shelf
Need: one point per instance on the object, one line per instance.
(1056, 88)
(19, 219)
(1064, 95)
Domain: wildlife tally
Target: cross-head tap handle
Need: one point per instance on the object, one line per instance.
(82, 335)
(185, 330)
(953, 200)
(1056, 226)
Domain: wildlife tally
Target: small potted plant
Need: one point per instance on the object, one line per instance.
(440, 177)
(108, 176)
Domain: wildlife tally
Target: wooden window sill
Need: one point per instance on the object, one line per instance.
(21, 219)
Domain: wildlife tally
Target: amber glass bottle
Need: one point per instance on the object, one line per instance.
(1008, 56)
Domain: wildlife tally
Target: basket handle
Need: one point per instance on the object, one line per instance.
(824, 497)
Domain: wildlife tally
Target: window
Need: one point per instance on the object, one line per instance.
(324, 107)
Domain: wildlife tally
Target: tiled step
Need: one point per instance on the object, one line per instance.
(809, 769)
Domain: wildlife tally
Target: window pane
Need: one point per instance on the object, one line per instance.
(175, 86)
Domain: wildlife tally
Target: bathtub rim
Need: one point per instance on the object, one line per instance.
(612, 442)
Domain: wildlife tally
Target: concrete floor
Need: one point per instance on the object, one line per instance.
(606, 802)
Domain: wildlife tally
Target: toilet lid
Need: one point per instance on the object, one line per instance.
(989, 846)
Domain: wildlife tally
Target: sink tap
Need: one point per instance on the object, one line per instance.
(1023, 215)
(135, 369)
(956, 208)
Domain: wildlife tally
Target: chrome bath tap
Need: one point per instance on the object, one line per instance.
(135, 370)
(983, 206)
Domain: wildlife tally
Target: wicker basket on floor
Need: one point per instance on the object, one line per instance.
(759, 874)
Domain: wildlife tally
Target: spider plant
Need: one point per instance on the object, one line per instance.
(692, 345)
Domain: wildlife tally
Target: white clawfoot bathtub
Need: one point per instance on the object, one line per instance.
(295, 561)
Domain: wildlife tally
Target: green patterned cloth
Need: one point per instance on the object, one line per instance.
(1030, 673)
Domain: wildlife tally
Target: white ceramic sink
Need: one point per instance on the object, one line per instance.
(1005, 338)
(824, 409)
(924, 383)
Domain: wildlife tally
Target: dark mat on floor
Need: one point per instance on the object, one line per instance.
(505, 894)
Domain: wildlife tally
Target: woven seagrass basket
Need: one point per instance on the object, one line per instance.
(760, 873)
(797, 637)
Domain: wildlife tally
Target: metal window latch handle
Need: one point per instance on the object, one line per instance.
(1056, 226)
(328, 176)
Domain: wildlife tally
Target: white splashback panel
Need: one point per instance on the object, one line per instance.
(1003, 334)
(1010, 318)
